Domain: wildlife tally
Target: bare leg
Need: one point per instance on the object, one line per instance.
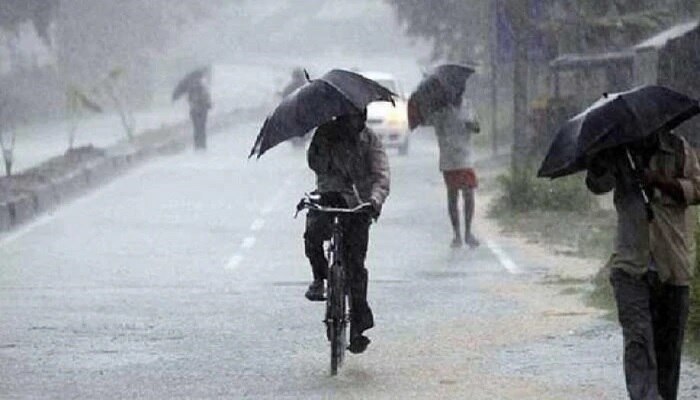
(469, 205)
(453, 211)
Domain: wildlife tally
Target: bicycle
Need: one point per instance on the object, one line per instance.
(337, 293)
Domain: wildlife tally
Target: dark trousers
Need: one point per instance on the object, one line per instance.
(199, 123)
(653, 316)
(355, 239)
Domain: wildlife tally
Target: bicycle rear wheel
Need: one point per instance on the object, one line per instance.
(337, 324)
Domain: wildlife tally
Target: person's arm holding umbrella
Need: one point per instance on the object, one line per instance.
(600, 177)
(319, 161)
(684, 189)
(471, 117)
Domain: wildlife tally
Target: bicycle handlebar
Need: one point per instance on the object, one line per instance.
(307, 204)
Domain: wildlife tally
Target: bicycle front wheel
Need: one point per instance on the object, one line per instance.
(337, 324)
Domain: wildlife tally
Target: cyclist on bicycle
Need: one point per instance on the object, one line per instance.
(351, 168)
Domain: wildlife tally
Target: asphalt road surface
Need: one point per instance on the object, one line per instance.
(185, 278)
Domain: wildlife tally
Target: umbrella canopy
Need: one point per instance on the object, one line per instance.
(436, 91)
(189, 80)
(336, 93)
(615, 120)
(453, 77)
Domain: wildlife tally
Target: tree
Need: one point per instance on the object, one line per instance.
(40, 12)
(456, 28)
(112, 87)
(93, 36)
(11, 115)
(78, 103)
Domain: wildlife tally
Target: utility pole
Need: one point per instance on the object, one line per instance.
(493, 59)
(518, 14)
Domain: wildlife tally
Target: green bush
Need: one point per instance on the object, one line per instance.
(523, 191)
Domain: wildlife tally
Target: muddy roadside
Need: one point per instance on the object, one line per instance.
(571, 324)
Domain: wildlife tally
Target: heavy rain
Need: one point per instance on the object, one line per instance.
(312, 199)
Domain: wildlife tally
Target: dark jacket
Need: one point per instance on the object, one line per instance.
(341, 160)
(199, 98)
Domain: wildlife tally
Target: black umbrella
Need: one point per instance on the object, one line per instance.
(336, 93)
(453, 77)
(436, 91)
(613, 121)
(189, 80)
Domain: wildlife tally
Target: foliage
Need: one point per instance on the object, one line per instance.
(112, 87)
(458, 27)
(522, 191)
(108, 90)
(11, 114)
(78, 102)
(455, 27)
(39, 12)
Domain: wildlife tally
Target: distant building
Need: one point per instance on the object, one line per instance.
(672, 58)
(669, 58)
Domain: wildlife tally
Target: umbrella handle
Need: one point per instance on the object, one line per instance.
(645, 197)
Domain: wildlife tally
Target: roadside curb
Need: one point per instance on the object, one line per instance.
(22, 209)
(45, 197)
(118, 158)
(5, 217)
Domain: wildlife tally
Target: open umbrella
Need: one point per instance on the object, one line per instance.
(436, 91)
(336, 93)
(613, 121)
(184, 85)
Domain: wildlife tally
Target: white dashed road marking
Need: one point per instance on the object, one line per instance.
(234, 262)
(503, 258)
(257, 225)
(248, 242)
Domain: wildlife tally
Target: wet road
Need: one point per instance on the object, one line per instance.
(185, 279)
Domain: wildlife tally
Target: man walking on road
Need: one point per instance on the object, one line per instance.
(454, 126)
(298, 80)
(653, 262)
(351, 168)
(199, 99)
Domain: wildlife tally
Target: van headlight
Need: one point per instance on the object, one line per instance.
(396, 118)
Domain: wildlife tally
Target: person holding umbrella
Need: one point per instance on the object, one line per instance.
(298, 79)
(195, 84)
(439, 101)
(351, 168)
(626, 144)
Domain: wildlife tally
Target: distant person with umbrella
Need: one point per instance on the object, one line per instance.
(195, 84)
(351, 168)
(625, 143)
(298, 79)
(439, 101)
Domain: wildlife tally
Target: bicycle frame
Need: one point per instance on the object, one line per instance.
(337, 316)
(337, 298)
